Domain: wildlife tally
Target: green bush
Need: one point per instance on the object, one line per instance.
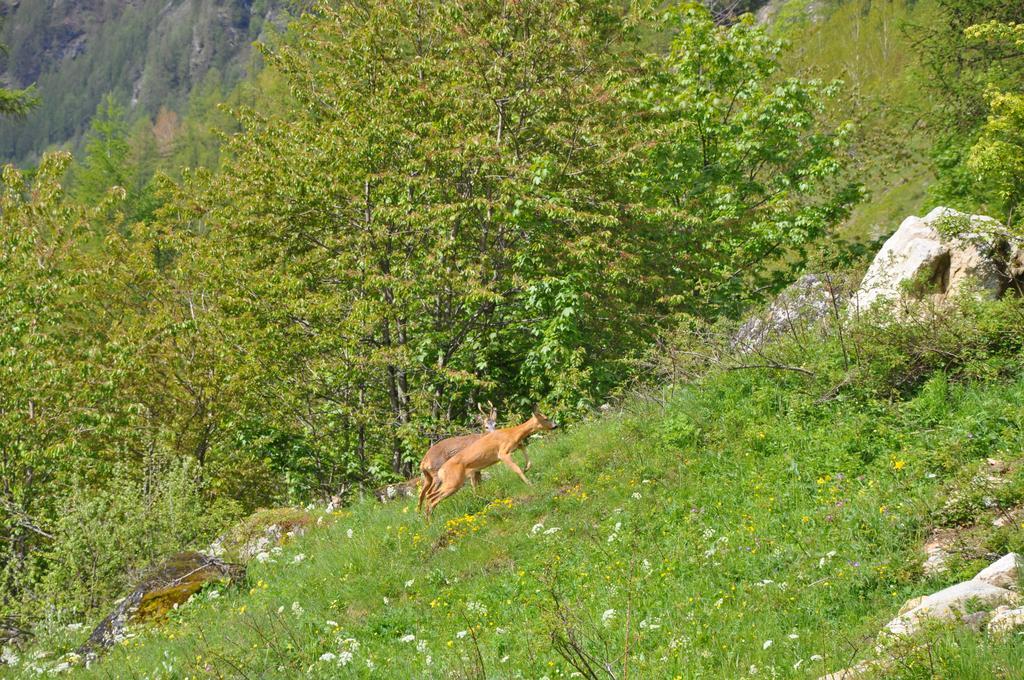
(104, 540)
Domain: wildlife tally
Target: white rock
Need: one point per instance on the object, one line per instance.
(1003, 573)
(948, 604)
(1007, 621)
(949, 265)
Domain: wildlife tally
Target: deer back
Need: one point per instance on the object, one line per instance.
(439, 454)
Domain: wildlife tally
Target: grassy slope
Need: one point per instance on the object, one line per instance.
(740, 512)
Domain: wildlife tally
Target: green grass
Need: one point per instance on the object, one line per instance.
(710, 522)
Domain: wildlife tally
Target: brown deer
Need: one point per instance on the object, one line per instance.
(438, 454)
(485, 452)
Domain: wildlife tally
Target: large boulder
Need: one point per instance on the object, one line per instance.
(809, 299)
(989, 589)
(981, 258)
(169, 584)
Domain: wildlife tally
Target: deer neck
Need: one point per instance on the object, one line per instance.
(524, 430)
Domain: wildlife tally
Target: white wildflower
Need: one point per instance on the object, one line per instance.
(344, 658)
(74, 626)
(636, 495)
(552, 530)
(709, 532)
(328, 656)
(476, 608)
(461, 634)
(428, 661)
(408, 584)
(537, 528)
(213, 595)
(793, 636)
(646, 564)
(504, 659)
(280, 610)
(607, 617)
(297, 609)
(349, 533)
(421, 646)
(262, 557)
(332, 624)
(407, 638)
(817, 657)
(767, 644)
(653, 624)
(370, 664)
(298, 558)
(798, 664)
(752, 670)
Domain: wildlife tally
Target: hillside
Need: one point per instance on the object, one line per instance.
(747, 524)
(149, 54)
(248, 296)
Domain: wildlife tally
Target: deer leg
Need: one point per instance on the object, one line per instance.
(507, 460)
(527, 459)
(428, 483)
(475, 479)
(452, 480)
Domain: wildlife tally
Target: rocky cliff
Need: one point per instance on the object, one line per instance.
(150, 53)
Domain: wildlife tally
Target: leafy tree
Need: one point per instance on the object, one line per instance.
(739, 171)
(960, 68)
(40, 369)
(435, 220)
(998, 155)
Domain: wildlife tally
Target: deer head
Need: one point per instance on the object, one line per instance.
(489, 421)
(542, 420)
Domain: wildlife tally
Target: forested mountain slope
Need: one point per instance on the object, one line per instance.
(148, 53)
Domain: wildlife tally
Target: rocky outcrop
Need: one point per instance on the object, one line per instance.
(809, 299)
(255, 536)
(169, 584)
(948, 604)
(989, 601)
(942, 255)
(407, 489)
